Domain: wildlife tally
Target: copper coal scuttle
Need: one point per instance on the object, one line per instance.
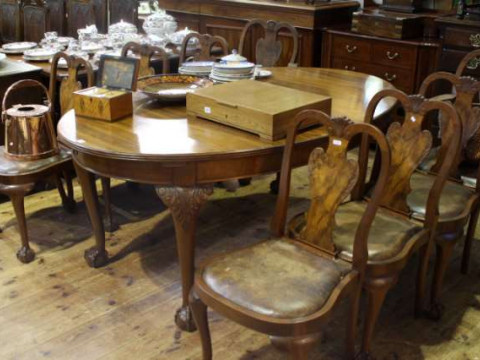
(29, 132)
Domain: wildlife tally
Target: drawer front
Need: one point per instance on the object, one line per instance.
(352, 65)
(350, 48)
(394, 55)
(450, 59)
(462, 38)
(400, 78)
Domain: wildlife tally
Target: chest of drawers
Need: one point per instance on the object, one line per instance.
(404, 63)
(457, 38)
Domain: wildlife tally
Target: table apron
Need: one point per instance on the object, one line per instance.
(191, 173)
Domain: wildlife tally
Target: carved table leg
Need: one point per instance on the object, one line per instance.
(95, 256)
(185, 204)
(17, 193)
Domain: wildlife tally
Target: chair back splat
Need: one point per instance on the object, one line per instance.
(410, 143)
(332, 179)
(71, 82)
(206, 48)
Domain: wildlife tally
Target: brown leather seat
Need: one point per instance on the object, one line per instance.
(388, 233)
(250, 278)
(452, 201)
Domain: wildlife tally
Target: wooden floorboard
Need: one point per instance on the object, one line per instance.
(59, 308)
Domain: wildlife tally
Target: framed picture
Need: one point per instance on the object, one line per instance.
(117, 72)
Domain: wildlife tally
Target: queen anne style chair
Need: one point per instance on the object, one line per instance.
(68, 86)
(17, 178)
(146, 52)
(268, 50)
(394, 235)
(459, 204)
(206, 49)
(287, 288)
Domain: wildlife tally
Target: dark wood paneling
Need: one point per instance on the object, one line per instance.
(80, 14)
(12, 20)
(126, 10)
(57, 12)
(36, 21)
(100, 9)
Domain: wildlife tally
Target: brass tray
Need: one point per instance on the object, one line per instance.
(171, 87)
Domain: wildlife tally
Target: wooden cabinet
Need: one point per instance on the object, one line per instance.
(57, 16)
(228, 17)
(403, 63)
(457, 38)
(11, 12)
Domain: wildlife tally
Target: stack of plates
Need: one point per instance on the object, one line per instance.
(196, 68)
(39, 54)
(17, 47)
(226, 72)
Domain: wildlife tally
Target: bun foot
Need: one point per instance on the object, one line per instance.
(25, 255)
(69, 205)
(435, 312)
(96, 258)
(184, 319)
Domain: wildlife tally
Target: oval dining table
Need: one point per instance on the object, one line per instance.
(183, 157)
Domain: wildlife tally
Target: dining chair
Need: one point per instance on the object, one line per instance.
(459, 204)
(18, 178)
(269, 49)
(68, 85)
(36, 20)
(395, 236)
(286, 287)
(209, 47)
(146, 52)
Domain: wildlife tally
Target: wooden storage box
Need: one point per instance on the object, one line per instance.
(388, 24)
(104, 104)
(258, 107)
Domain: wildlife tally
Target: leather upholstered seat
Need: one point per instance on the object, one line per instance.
(452, 201)
(251, 278)
(388, 233)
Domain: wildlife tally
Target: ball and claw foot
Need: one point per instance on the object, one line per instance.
(25, 255)
(96, 258)
(69, 205)
(435, 312)
(184, 319)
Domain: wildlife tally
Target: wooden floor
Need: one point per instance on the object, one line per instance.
(58, 308)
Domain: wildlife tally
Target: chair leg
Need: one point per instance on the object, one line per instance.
(423, 260)
(376, 291)
(108, 204)
(68, 202)
(297, 347)
(275, 184)
(352, 323)
(444, 253)
(17, 193)
(199, 311)
(472, 224)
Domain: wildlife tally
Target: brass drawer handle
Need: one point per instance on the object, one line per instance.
(475, 40)
(390, 77)
(393, 56)
(353, 68)
(350, 49)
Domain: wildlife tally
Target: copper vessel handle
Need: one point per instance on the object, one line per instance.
(21, 84)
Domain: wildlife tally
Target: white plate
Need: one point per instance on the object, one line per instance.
(2, 57)
(18, 47)
(64, 40)
(92, 48)
(234, 66)
(261, 74)
(39, 54)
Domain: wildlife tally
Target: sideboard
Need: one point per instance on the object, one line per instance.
(228, 17)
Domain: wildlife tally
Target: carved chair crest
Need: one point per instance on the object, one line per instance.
(268, 49)
(146, 52)
(467, 90)
(70, 83)
(206, 43)
(410, 144)
(332, 179)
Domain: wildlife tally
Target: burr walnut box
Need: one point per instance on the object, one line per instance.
(257, 107)
(391, 25)
(103, 104)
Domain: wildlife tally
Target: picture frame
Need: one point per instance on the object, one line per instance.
(116, 72)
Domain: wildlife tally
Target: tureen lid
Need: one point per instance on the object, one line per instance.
(234, 57)
(122, 27)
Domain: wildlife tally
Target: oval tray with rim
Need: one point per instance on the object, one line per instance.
(171, 87)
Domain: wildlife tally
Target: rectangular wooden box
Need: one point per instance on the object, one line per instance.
(104, 104)
(254, 106)
(388, 24)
